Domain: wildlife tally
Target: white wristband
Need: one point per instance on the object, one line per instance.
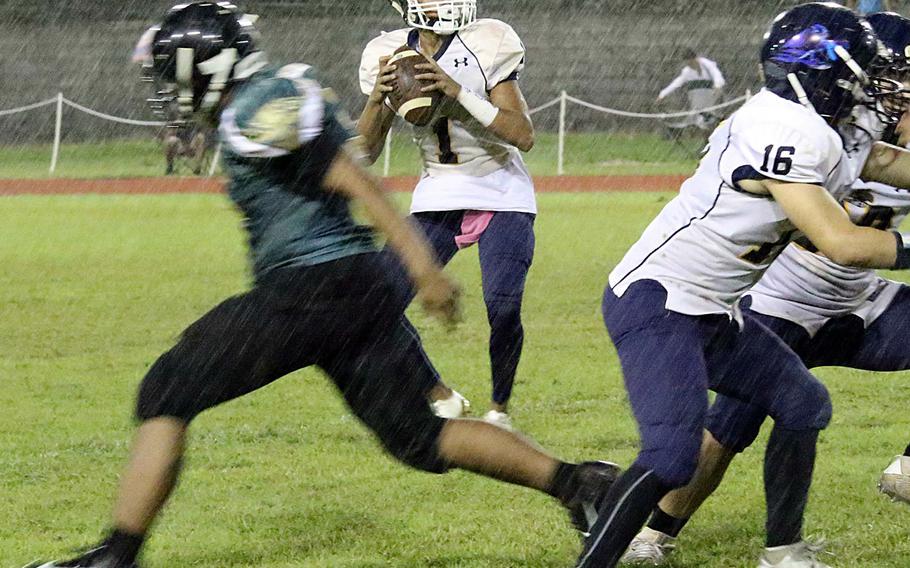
(484, 111)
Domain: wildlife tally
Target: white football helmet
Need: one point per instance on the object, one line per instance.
(443, 17)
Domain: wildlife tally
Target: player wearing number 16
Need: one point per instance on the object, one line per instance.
(773, 171)
(474, 187)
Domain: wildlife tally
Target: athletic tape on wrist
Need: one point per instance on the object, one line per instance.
(484, 111)
(903, 253)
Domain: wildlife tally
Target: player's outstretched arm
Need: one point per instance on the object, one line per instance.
(377, 118)
(439, 295)
(889, 165)
(814, 212)
(505, 114)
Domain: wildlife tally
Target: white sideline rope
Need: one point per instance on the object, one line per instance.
(561, 100)
(545, 106)
(680, 114)
(534, 110)
(112, 118)
(28, 107)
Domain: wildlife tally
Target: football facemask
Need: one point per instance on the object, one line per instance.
(889, 97)
(443, 17)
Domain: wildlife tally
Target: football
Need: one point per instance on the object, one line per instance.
(407, 99)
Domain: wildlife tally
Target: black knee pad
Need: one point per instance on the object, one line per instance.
(414, 441)
(160, 392)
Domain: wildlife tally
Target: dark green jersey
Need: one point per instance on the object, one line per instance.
(280, 133)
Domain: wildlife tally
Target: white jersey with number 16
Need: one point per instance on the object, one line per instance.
(712, 242)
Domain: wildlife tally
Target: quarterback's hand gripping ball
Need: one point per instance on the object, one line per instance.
(407, 98)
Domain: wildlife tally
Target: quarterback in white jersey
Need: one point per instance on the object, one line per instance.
(772, 173)
(474, 187)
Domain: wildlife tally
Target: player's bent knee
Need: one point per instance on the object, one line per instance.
(676, 472)
(416, 442)
(823, 417)
(736, 439)
(673, 464)
(162, 393)
(735, 430)
(809, 409)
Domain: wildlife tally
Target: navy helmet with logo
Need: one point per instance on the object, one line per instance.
(198, 51)
(819, 54)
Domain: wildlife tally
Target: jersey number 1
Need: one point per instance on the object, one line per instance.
(782, 160)
(446, 155)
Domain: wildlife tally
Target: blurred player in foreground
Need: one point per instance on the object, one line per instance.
(672, 303)
(829, 314)
(322, 294)
(474, 187)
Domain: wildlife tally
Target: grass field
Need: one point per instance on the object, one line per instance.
(586, 154)
(96, 287)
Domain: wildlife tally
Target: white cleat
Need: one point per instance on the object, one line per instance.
(895, 481)
(800, 555)
(453, 407)
(500, 419)
(649, 548)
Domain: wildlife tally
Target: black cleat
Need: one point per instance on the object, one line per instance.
(96, 558)
(591, 481)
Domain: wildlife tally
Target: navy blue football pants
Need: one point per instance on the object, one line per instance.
(506, 250)
(670, 360)
(841, 342)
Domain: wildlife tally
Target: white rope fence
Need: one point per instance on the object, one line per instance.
(28, 107)
(562, 100)
(109, 117)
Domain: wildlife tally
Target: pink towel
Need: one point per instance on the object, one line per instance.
(473, 224)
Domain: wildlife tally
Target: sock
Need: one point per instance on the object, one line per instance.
(669, 525)
(789, 462)
(907, 451)
(626, 507)
(563, 487)
(123, 546)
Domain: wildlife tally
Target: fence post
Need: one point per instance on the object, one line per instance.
(748, 94)
(387, 155)
(561, 142)
(56, 151)
(215, 159)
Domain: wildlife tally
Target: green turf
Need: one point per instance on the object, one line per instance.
(585, 154)
(94, 288)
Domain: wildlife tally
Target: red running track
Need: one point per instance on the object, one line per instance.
(544, 184)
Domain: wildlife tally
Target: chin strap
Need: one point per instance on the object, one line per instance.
(396, 4)
(800, 91)
(851, 64)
